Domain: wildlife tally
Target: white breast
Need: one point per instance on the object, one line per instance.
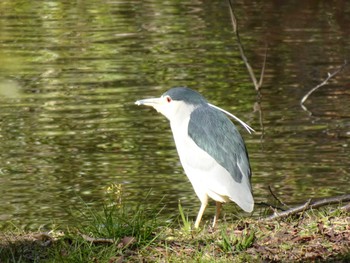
(208, 178)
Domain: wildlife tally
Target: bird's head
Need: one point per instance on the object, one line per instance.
(175, 104)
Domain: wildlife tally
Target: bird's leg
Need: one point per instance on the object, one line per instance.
(200, 213)
(217, 214)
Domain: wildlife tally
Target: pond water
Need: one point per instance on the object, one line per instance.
(70, 72)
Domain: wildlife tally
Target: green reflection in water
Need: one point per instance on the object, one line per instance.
(70, 72)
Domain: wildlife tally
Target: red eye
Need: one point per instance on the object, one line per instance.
(168, 99)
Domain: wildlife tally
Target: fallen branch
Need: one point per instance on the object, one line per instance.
(346, 208)
(274, 207)
(257, 84)
(321, 84)
(97, 240)
(310, 205)
(122, 243)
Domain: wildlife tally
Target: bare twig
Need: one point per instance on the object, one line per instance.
(289, 212)
(263, 69)
(321, 84)
(270, 206)
(97, 240)
(346, 208)
(257, 84)
(277, 199)
(310, 205)
(257, 108)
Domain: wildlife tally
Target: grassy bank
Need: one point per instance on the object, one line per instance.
(118, 233)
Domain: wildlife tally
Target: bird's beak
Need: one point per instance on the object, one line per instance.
(149, 102)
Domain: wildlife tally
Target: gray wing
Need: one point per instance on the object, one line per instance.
(213, 132)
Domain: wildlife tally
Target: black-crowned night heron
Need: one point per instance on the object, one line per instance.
(211, 150)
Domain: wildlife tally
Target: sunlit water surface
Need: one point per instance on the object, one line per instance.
(70, 72)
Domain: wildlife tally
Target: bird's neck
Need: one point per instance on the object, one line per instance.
(179, 122)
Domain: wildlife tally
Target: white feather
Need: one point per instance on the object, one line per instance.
(246, 126)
